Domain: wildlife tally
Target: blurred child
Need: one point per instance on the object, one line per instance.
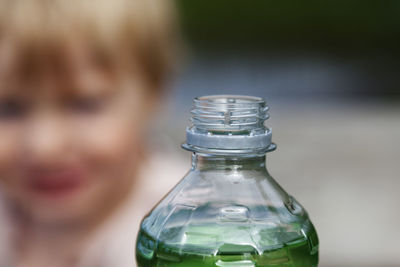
(79, 80)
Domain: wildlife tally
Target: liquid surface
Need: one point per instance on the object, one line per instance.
(230, 245)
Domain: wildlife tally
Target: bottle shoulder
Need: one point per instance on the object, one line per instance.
(212, 206)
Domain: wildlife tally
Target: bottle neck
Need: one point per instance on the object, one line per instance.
(204, 162)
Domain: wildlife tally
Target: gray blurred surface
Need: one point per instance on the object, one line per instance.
(342, 164)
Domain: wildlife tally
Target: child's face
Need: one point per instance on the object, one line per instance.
(69, 135)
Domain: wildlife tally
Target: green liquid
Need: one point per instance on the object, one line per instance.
(231, 245)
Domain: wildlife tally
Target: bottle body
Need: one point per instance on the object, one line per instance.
(227, 211)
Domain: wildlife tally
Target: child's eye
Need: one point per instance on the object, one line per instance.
(12, 109)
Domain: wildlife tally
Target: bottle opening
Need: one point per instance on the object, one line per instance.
(229, 123)
(229, 114)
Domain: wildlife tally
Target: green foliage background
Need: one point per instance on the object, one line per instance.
(346, 26)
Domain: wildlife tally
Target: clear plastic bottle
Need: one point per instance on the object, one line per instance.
(228, 211)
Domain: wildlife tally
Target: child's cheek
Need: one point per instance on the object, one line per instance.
(108, 146)
(9, 150)
(11, 157)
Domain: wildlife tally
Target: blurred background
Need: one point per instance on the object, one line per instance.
(330, 73)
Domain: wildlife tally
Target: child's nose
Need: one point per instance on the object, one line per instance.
(45, 140)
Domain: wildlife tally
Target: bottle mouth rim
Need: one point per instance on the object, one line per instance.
(228, 100)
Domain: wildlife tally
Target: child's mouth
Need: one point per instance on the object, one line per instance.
(56, 184)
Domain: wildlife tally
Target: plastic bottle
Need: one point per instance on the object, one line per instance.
(228, 211)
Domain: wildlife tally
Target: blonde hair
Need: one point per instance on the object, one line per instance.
(143, 30)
